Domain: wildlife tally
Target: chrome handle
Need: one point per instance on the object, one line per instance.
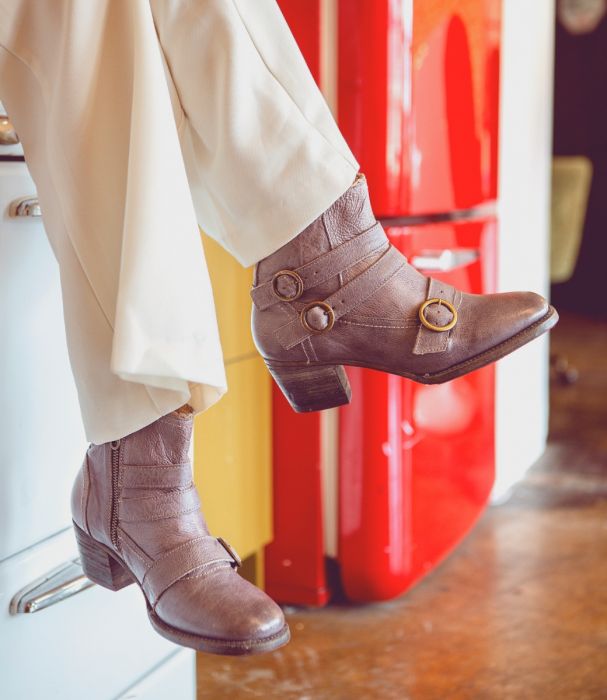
(445, 260)
(8, 135)
(28, 206)
(57, 585)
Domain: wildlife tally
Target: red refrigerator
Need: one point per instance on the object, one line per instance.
(417, 100)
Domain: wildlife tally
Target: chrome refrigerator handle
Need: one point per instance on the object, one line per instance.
(445, 260)
(56, 585)
(28, 206)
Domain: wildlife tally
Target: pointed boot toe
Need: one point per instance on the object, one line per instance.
(504, 315)
(340, 294)
(532, 308)
(518, 313)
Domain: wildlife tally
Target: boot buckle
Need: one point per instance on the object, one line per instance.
(326, 308)
(230, 550)
(432, 326)
(299, 284)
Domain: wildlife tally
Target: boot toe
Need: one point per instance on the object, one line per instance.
(516, 311)
(488, 320)
(531, 307)
(221, 605)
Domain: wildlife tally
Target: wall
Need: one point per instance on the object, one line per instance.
(524, 185)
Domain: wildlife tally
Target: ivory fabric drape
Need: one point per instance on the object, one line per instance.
(141, 120)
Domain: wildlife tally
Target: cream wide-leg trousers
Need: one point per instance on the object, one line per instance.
(141, 120)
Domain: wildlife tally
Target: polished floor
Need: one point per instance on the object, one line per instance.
(518, 612)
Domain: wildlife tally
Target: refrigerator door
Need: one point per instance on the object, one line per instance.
(418, 101)
(416, 461)
(295, 562)
(41, 431)
(91, 643)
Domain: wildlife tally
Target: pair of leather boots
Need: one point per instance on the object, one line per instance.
(337, 294)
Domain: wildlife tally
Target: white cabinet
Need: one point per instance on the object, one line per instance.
(83, 641)
(94, 644)
(42, 441)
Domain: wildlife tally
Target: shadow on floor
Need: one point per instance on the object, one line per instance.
(518, 612)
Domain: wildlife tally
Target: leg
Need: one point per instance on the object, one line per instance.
(84, 85)
(263, 152)
(271, 183)
(259, 141)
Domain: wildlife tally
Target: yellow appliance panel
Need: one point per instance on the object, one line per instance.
(231, 284)
(233, 458)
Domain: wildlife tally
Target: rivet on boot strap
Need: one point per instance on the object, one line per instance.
(326, 315)
(432, 326)
(291, 277)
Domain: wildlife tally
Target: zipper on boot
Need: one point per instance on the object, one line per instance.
(115, 447)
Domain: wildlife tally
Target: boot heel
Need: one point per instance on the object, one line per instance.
(312, 387)
(98, 565)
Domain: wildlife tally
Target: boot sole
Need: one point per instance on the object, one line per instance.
(105, 568)
(317, 386)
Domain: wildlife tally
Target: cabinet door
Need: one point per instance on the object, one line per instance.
(232, 457)
(232, 440)
(231, 283)
(82, 642)
(37, 392)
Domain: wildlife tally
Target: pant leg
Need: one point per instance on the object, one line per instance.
(84, 84)
(106, 135)
(263, 153)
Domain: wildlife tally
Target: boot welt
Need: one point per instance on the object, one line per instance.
(106, 568)
(225, 647)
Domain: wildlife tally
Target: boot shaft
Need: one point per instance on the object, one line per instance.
(98, 487)
(344, 219)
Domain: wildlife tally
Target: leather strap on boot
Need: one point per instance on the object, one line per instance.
(319, 316)
(196, 554)
(438, 315)
(289, 285)
(156, 475)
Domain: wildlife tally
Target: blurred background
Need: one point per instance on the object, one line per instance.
(426, 542)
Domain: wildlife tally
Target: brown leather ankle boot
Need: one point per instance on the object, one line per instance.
(340, 294)
(137, 519)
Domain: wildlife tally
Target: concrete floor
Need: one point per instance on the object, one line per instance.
(518, 612)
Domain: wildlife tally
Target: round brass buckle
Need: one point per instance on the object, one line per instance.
(311, 305)
(431, 326)
(293, 275)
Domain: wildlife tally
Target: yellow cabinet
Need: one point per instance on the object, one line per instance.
(231, 284)
(233, 439)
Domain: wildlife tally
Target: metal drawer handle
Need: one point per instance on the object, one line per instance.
(28, 206)
(445, 260)
(8, 135)
(57, 585)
